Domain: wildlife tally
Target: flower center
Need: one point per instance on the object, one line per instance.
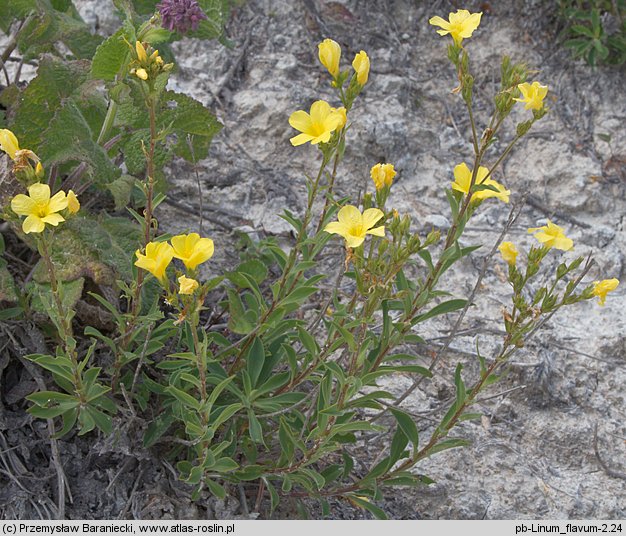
(42, 210)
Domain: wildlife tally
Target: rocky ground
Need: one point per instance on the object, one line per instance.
(535, 454)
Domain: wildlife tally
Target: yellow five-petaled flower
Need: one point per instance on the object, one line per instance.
(460, 25)
(602, 288)
(156, 259)
(552, 236)
(187, 285)
(39, 208)
(509, 252)
(382, 175)
(317, 126)
(192, 250)
(463, 179)
(353, 225)
(532, 95)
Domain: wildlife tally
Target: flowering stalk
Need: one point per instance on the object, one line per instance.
(63, 319)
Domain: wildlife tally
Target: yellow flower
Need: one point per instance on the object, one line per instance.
(602, 288)
(344, 116)
(142, 56)
(552, 236)
(317, 126)
(463, 179)
(329, 53)
(141, 73)
(460, 25)
(72, 202)
(533, 95)
(9, 143)
(353, 225)
(382, 175)
(39, 208)
(156, 259)
(361, 65)
(187, 285)
(509, 252)
(192, 250)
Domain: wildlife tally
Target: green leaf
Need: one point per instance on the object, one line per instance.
(14, 10)
(121, 189)
(8, 291)
(217, 12)
(111, 56)
(299, 295)
(408, 426)
(460, 387)
(157, 428)
(238, 322)
(442, 308)
(71, 140)
(449, 444)
(188, 117)
(367, 505)
(101, 249)
(216, 489)
(256, 431)
(42, 295)
(184, 398)
(255, 359)
(55, 82)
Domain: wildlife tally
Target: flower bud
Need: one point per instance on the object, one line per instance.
(329, 54)
(361, 65)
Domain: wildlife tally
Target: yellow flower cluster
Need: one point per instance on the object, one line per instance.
(147, 63)
(39, 206)
(318, 125)
(461, 25)
(190, 248)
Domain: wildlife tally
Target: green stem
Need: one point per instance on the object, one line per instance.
(107, 125)
(65, 323)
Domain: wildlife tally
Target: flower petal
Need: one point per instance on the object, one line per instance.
(371, 217)
(336, 227)
(319, 111)
(53, 219)
(354, 241)
(301, 121)
(349, 215)
(438, 21)
(33, 224)
(23, 205)
(377, 231)
(57, 202)
(300, 139)
(39, 193)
